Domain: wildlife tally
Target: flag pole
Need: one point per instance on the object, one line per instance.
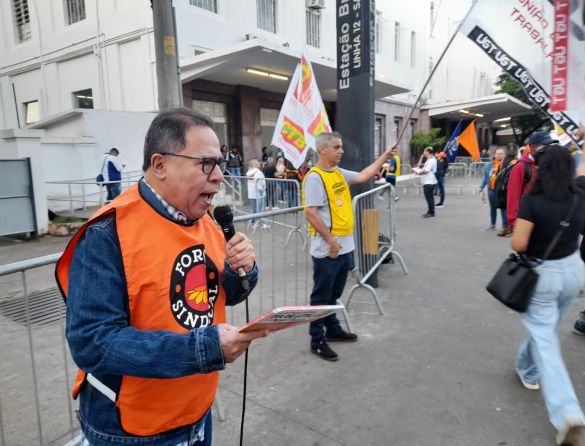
(432, 73)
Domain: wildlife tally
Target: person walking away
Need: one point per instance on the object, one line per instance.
(112, 171)
(491, 172)
(539, 363)
(442, 166)
(428, 180)
(256, 189)
(327, 205)
(146, 282)
(269, 171)
(519, 184)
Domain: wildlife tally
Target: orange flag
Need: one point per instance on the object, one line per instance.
(468, 139)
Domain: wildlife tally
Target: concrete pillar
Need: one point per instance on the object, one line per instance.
(250, 123)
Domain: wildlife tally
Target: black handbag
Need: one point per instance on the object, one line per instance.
(514, 282)
(100, 178)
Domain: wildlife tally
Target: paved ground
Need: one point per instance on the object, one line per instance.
(436, 370)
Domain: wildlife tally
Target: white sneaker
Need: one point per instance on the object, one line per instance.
(573, 432)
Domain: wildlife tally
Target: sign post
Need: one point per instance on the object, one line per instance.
(354, 117)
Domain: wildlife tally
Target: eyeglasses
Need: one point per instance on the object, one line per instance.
(207, 164)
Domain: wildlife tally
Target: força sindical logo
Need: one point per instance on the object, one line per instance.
(194, 288)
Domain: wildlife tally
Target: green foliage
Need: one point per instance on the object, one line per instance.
(420, 140)
(522, 126)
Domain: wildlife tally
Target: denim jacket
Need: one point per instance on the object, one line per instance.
(103, 343)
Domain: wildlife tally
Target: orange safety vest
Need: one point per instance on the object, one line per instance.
(173, 277)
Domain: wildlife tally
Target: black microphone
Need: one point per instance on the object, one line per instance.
(224, 216)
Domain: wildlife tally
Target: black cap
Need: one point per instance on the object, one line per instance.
(541, 139)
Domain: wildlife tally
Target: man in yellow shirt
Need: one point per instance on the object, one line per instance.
(327, 203)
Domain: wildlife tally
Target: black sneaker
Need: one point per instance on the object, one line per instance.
(427, 215)
(580, 324)
(342, 336)
(439, 205)
(323, 350)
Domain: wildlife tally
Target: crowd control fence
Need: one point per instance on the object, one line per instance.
(374, 236)
(72, 195)
(36, 369)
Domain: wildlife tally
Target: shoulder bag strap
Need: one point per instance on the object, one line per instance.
(564, 225)
(103, 163)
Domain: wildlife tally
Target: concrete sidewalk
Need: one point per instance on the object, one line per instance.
(437, 369)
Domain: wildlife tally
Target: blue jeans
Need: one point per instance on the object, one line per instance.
(428, 190)
(494, 209)
(441, 189)
(539, 357)
(114, 189)
(329, 277)
(391, 178)
(234, 171)
(257, 206)
(197, 435)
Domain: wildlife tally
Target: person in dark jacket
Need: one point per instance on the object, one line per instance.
(517, 184)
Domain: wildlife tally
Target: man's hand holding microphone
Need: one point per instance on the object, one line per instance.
(241, 256)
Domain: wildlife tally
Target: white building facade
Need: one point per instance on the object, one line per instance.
(61, 58)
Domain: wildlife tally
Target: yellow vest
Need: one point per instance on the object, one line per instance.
(339, 199)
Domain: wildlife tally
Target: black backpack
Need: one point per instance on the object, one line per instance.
(440, 168)
(501, 184)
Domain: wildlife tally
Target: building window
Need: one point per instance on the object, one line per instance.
(268, 118)
(396, 41)
(412, 48)
(75, 11)
(21, 19)
(313, 17)
(83, 99)
(396, 129)
(378, 32)
(379, 137)
(31, 112)
(412, 125)
(216, 111)
(210, 5)
(266, 12)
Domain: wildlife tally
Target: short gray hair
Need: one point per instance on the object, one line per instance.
(166, 133)
(324, 139)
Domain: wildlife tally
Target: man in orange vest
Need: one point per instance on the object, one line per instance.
(146, 282)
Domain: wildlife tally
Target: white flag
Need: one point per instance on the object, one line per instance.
(302, 116)
(540, 48)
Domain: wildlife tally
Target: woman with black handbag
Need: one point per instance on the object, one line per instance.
(539, 364)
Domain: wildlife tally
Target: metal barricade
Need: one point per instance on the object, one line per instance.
(374, 236)
(37, 370)
(74, 195)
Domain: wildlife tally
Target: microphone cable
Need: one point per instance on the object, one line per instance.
(245, 380)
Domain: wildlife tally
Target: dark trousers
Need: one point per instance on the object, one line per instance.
(494, 209)
(114, 189)
(428, 190)
(271, 193)
(441, 189)
(391, 178)
(329, 277)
